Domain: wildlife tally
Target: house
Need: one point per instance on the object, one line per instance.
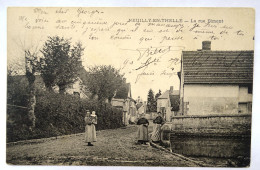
(168, 103)
(127, 104)
(216, 82)
(141, 107)
(23, 81)
(77, 88)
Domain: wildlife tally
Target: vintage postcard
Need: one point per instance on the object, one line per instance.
(129, 86)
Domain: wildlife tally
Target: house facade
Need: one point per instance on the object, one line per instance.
(141, 108)
(216, 82)
(128, 106)
(168, 104)
(77, 88)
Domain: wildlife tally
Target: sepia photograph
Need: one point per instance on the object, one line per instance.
(130, 86)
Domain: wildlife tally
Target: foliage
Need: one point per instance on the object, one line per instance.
(104, 81)
(151, 103)
(61, 62)
(17, 95)
(17, 90)
(122, 91)
(59, 114)
(158, 94)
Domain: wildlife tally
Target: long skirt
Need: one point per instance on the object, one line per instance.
(142, 134)
(156, 134)
(90, 133)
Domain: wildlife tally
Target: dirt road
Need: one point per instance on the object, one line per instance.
(115, 147)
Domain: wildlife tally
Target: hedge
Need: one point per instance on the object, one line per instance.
(59, 114)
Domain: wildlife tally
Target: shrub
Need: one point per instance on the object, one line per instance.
(59, 114)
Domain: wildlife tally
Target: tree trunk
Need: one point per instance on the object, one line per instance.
(31, 105)
(30, 70)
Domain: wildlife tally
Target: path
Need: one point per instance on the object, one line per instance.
(115, 147)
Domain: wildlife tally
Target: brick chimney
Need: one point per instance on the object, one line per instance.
(206, 45)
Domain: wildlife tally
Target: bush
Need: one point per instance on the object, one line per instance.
(58, 114)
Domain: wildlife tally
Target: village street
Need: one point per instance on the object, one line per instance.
(116, 147)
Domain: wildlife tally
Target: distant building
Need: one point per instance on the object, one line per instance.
(23, 81)
(216, 82)
(127, 104)
(168, 103)
(77, 88)
(141, 108)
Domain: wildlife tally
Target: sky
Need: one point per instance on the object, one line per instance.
(148, 55)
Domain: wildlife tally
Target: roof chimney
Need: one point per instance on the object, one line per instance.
(206, 45)
(171, 89)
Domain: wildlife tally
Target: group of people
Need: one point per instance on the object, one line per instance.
(142, 135)
(143, 123)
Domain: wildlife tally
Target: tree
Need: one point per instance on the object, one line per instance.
(26, 94)
(104, 81)
(31, 67)
(122, 91)
(151, 107)
(158, 94)
(60, 62)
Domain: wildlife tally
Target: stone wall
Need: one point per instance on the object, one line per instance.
(239, 124)
(222, 147)
(212, 135)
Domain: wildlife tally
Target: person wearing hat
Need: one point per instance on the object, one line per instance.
(90, 129)
(158, 122)
(142, 134)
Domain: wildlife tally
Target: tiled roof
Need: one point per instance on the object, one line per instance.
(175, 92)
(165, 95)
(139, 105)
(226, 67)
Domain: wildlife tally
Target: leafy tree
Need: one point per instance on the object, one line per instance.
(61, 62)
(151, 107)
(104, 81)
(122, 91)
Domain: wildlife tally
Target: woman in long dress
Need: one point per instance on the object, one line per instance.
(142, 135)
(90, 129)
(156, 134)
